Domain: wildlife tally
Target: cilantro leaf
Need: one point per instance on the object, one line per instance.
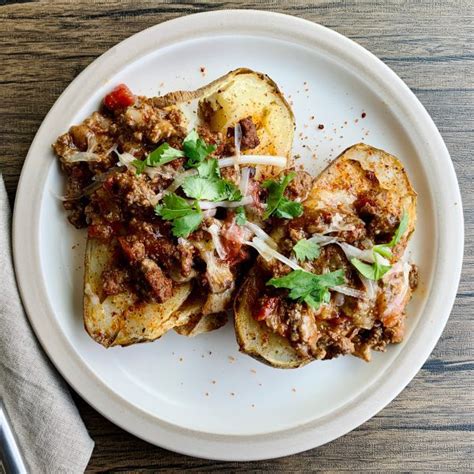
(139, 165)
(288, 209)
(240, 217)
(231, 192)
(163, 154)
(186, 216)
(373, 272)
(402, 228)
(196, 149)
(209, 169)
(183, 226)
(202, 188)
(308, 287)
(277, 204)
(306, 250)
(383, 249)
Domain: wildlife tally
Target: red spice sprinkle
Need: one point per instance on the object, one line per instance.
(203, 70)
(321, 126)
(312, 117)
(356, 120)
(363, 115)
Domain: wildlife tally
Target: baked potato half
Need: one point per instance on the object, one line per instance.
(119, 320)
(361, 176)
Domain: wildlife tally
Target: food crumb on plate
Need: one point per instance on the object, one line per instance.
(321, 126)
(181, 359)
(213, 382)
(232, 394)
(207, 394)
(363, 115)
(231, 358)
(293, 389)
(203, 70)
(253, 371)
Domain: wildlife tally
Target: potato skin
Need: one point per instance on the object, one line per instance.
(336, 186)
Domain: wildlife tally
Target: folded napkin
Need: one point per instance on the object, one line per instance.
(49, 430)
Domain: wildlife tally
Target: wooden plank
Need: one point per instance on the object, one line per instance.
(429, 45)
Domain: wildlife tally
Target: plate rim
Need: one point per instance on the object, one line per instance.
(234, 447)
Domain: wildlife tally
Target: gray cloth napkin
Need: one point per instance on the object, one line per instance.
(49, 429)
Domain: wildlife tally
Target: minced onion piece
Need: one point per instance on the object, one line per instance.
(229, 204)
(244, 181)
(371, 287)
(348, 291)
(213, 229)
(87, 155)
(259, 232)
(269, 160)
(268, 252)
(397, 303)
(349, 250)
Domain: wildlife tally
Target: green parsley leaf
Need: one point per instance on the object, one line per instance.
(139, 165)
(202, 188)
(240, 217)
(402, 228)
(209, 169)
(277, 204)
(196, 149)
(306, 250)
(308, 287)
(186, 216)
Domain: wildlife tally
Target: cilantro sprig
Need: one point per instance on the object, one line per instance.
(240, 217)
(378, 269)
(162, 155)
(277, 204)
(306, 250)
(186, 217)
(308, 287)
(196, 149)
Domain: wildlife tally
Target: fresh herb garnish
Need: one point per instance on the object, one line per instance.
(186, 216)
(196, 149)
(308, 287)
(277, 204)
(373, 272)
(209, 169)
(201, 188)
(306, 250)
(162, 155)
(378, 269)
(240, 217)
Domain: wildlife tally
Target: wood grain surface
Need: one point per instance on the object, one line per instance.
(430, 45)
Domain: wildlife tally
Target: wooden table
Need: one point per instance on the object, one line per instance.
(44, 45)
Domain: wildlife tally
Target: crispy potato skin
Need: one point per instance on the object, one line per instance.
(335, 188)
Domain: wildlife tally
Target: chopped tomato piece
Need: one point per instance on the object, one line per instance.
(267, 305)
(119, 98)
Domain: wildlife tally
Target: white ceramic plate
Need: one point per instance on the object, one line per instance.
(201, 396)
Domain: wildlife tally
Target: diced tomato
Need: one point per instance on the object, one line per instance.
(267, 305)
(119, 98)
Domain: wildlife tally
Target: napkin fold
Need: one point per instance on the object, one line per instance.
(48, 427)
